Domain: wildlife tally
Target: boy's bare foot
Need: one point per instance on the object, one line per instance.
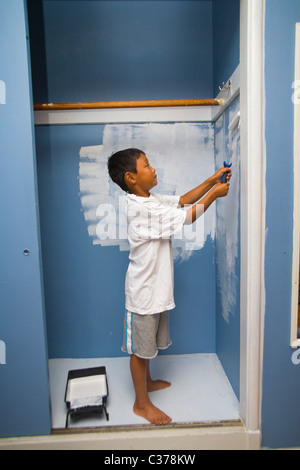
(152, 414)
(153, 385)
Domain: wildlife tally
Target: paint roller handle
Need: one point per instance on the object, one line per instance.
(224, 177)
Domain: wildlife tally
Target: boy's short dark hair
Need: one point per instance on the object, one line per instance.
(120, 163)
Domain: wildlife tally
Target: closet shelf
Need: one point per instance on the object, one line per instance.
(127, 104)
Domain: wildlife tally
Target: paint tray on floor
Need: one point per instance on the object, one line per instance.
(86, 393)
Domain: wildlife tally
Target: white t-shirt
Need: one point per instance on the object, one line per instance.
(152, 221)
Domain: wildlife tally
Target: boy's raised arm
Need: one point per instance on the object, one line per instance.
(194, 212)
(197, 193)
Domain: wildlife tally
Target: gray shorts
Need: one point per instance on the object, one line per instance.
(145, 334)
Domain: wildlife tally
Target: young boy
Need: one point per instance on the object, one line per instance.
(152, 220)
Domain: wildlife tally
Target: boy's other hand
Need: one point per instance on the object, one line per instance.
(217, 177)
(221, 189)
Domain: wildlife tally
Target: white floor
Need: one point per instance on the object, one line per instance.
(200, 390)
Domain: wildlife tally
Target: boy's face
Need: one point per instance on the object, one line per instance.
(146, 178)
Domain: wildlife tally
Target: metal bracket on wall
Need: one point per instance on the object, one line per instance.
(225, 87)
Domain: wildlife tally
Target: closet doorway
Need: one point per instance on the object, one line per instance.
(251, 295)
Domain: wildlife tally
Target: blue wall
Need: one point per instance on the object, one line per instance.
(24, 395)
(226, 40)
(158, 50)
(281, 379)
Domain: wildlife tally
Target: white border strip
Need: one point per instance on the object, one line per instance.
(120, 116)
(201, 438)
(253, 209)
(295, 342)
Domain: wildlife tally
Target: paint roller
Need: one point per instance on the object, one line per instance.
(231, 127)
(224, 177)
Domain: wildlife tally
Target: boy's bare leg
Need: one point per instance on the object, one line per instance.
(143, 406)
(153, 385)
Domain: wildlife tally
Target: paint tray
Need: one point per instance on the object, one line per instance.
(86, 393)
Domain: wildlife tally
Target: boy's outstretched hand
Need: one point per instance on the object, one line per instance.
(217, 177)
(221, 189)
(216, 189)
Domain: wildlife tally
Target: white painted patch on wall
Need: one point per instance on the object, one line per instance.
(227, 148)
(181, 153)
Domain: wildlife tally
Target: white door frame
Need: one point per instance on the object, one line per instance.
(295, 341)
(253, 204)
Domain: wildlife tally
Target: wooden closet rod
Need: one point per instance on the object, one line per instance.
(127, 104)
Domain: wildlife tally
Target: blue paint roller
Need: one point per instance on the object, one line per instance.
(224, 177)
